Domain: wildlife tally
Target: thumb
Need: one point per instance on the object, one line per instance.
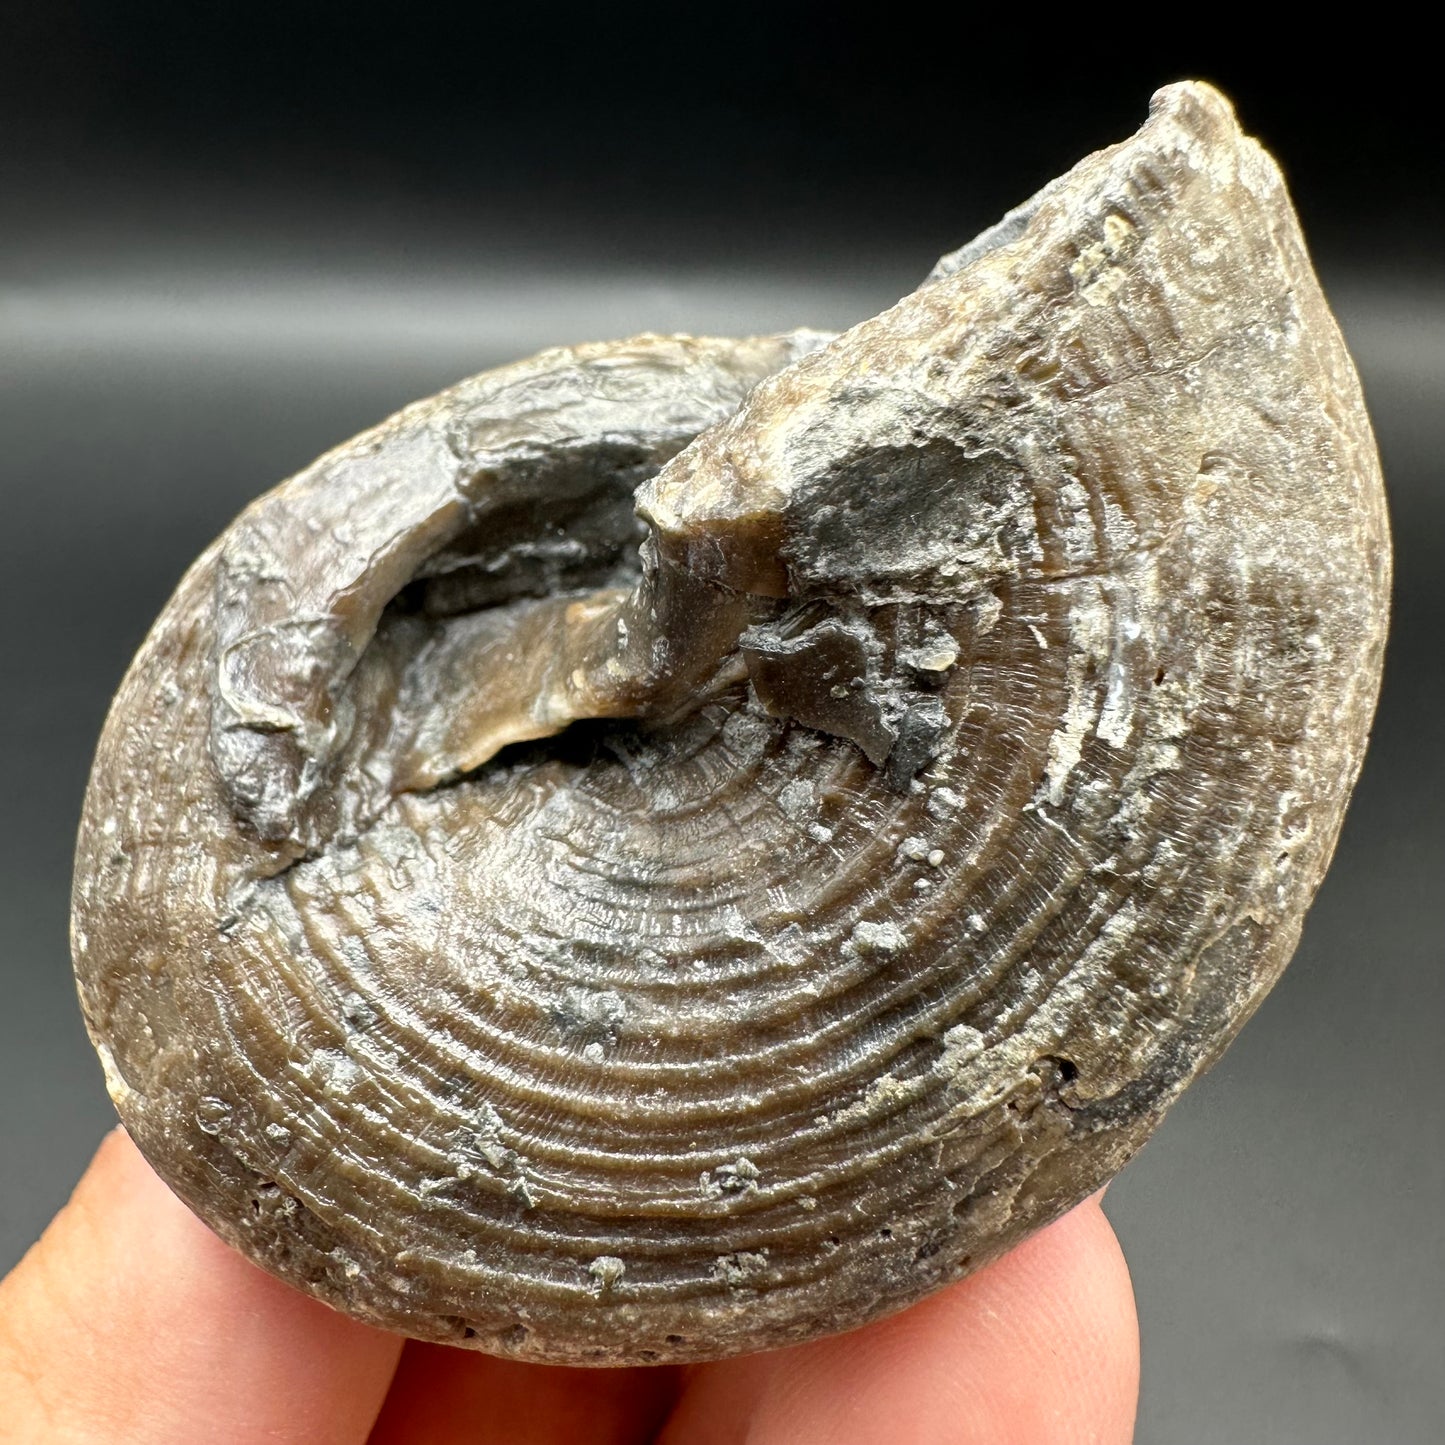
(131, 1322)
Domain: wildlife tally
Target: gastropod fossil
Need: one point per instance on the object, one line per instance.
(677, 846)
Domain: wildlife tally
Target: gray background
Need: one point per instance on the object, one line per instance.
(211, 271)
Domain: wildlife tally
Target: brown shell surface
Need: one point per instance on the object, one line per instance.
(679, 846)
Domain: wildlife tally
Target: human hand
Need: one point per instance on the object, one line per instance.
(131, 1324)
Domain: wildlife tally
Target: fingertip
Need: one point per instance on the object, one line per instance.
(448, 1396)
(1038, 1348)
(131, 1317)
(1070, 1351)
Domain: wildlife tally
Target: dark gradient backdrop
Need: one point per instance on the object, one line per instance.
(230, 238)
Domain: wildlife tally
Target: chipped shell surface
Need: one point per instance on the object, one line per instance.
(678, 846)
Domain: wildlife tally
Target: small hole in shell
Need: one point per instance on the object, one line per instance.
(263, 1193)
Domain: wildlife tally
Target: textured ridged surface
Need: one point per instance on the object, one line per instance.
(942, 784)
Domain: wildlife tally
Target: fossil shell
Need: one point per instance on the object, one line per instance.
(678, 846)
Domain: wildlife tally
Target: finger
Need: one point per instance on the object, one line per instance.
(447, 1396)
(131, 1322)
(1040, 1348)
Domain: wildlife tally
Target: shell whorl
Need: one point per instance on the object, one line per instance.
(677, 846)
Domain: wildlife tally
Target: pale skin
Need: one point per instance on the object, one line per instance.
(129, 1323)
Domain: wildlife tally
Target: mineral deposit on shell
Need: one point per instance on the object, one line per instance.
(680, 845)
